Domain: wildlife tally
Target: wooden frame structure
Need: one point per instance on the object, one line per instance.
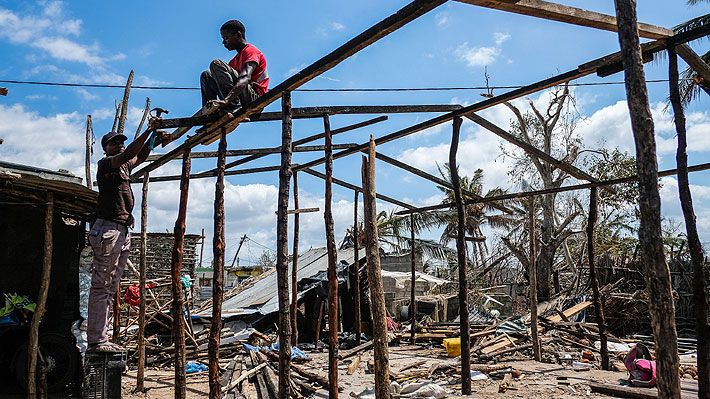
(604, 66)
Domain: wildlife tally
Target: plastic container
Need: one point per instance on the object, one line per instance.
(102, 375)
(453, 346)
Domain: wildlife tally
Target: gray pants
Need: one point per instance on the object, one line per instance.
(111, 243)
(219, 80)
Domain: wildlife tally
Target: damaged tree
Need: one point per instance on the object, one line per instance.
(374, 276)
(658, 279)
(543, 131)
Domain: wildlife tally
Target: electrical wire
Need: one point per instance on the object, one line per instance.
(383, 89)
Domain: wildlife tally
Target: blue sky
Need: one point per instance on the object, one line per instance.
(170, 43)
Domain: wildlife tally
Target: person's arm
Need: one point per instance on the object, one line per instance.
(133, 149)
(240, 84)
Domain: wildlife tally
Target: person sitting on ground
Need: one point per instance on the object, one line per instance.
(109, 236)
(235, 85)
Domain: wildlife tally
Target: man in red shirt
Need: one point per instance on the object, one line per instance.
(240, 82)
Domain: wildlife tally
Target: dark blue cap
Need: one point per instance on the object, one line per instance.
(110, 136)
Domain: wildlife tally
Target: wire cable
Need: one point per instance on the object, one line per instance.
(382, 89)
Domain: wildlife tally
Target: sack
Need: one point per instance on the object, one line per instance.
(641, 367)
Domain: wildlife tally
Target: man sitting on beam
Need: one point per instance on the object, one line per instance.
(235, 85)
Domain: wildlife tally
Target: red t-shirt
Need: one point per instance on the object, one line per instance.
(260, 76)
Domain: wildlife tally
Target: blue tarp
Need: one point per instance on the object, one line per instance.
(295, 352)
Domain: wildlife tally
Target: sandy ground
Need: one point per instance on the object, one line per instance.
(539, 380)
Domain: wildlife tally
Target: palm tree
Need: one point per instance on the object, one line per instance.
(477, 214)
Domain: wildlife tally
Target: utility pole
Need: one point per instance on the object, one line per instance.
(244, 238)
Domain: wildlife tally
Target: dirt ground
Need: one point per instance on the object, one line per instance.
(539, 380)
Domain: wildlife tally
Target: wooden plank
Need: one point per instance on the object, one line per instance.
(356, 188)
(259, 151)
(405, 15)
(208, 109)
(354, 351)
(571, 312)
(624, 391)
(570, 15)
(432, 178)
(353, 366)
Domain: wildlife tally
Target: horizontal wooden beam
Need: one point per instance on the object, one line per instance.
(383, 28)
(300, 210)
(526, 194)
(471, 239)
(202, 175)
(317, 112)
(260, 151)
(570, 15)
(694, 60)
(432, 178)
(357, 188)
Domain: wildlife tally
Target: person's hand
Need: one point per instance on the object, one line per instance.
(216, 103)
(153, 122)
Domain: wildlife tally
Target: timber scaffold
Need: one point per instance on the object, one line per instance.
(218, 126)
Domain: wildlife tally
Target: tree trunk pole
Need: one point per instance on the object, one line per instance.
(356, 265)
(124, 103)
(140, 377)
(532, 272)
(702, 327)
(33, 344)
(374, 276)
(412, 301)
(332, 268)
(87, 165)
(598, 307)
(658, 277)
(218, 249)
(202, 246)
(294, 265)
(177, 308)
(461, 252)
(282, 249)
(146, 111)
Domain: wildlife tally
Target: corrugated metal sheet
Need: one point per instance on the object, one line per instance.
(261, 297)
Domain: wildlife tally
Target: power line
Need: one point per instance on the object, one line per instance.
(382, 89)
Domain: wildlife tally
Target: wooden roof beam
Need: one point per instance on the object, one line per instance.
(259, 151)
(383, 28)
(570, 15)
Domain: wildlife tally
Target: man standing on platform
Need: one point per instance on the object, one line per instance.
(109, 236)
(235, 85)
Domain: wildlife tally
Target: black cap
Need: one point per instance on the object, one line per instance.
(110, 136)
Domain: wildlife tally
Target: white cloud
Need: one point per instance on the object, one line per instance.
(50, 142)
(476, 56)
(336, 26)
(500, 38)
(49, 34)
(332, 26)
(293, 70)
(442, 18)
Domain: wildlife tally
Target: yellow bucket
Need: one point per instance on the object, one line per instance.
(453, 346)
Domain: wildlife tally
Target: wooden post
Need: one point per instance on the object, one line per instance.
(124, 103)
(140, 378)
(658, 279)
(374, 276)
(318, 325)
(87, 164)
(41, 299)
(532, 273)
(702, 327)
(598, 306)
(332, 267)
(282, 249)
(356, 265)
(177, 305)
(218, 249)
(146, 111)
(294, 265)
(412, 301)
(463, 268)
(202, 246)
